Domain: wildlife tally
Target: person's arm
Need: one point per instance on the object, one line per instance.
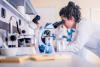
(85, 31)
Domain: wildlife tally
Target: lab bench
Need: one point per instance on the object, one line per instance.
(85, 59)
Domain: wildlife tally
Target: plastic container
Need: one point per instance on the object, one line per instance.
(8, 51)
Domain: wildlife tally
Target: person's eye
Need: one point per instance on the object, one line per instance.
(63, 21)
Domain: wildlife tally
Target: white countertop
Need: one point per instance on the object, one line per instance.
(85, 59)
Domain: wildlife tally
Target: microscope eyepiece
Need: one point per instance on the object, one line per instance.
(36, 19)
(57, 24)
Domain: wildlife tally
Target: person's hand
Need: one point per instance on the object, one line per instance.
(73, 47)
(70, 43)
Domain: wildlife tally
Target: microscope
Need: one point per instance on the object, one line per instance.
(26, 40)
(47, 37)
(11, 39)
(10, 42)
(18, 43)
(46, 44)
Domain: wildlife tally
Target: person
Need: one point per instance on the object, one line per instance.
(78, 29)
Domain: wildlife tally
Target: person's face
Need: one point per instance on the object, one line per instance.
(68, 23)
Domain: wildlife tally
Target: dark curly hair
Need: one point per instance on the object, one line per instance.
(71, 10)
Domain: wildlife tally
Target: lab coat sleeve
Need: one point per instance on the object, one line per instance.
(85, 31)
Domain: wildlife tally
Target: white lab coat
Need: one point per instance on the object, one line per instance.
(85, 31)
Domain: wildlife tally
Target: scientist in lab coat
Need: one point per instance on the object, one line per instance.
(78, 30)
